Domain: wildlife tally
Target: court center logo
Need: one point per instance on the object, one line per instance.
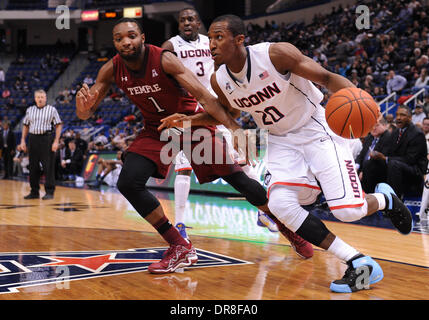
(28, 269)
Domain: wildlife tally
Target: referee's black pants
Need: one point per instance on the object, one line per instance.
(40, 151)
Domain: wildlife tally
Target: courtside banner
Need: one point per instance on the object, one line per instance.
(216, 186)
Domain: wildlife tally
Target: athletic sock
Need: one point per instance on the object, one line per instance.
(342, 250)
(169, 232)
(381, 198)
(182, 185)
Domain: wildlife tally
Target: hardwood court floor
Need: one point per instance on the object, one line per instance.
(81, 220)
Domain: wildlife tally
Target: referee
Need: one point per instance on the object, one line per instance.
(38, 125)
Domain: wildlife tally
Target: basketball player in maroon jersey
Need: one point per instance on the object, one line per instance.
(158, 83)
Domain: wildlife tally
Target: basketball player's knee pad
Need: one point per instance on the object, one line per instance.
(313, 230)
(136, 193)
(284, 204)
(351, 214)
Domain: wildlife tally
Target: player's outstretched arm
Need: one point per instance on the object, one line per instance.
(173, 66)
(203, 118)
(88, 99)
(286, 57)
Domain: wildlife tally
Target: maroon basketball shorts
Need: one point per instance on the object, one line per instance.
(205, 147)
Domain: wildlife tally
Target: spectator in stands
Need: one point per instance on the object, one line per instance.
(367, 167)
(73, 161)
(20, 77)
(355, 78)
(118, 142)
(35, 76)
(341, 50)
(367, 84)
(406, 161)
(98, 120)
(418, 115)
(17, 85)
(88, 80)
(23, 104)
(10, 104)
(395, 82)
(426, 130)
(425, 104)
(26, 88)
(74, 90)
(6, 93)
(99, 143)
(423, 62)
(319, 57)
(7, 146)
(81, 144)
(382, 66)
(65, 96)
(422, 80)
(417, 52)
(376, 91)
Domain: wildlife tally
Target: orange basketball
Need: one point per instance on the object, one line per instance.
(351, 113)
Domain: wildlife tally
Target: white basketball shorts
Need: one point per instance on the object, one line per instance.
(314, 153)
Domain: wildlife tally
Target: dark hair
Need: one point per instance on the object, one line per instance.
(192, 9)
(403, 106)
(235, 24)
(123, 20)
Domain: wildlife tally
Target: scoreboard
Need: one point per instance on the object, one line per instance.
(111, 14)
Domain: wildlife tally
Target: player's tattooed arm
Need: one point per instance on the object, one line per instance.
(286, 57)
(88, 99)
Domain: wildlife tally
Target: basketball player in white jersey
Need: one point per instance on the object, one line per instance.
(273, 81)
(192, 48)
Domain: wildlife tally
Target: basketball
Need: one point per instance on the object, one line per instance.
(351, 113)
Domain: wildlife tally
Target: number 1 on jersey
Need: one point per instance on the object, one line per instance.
(158, 108)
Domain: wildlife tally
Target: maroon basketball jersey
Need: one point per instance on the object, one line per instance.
(154, 92)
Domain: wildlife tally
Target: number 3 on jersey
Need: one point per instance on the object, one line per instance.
(158, 108)
(271, 115)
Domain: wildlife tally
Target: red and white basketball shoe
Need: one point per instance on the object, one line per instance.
(176, 257)
(302, 247)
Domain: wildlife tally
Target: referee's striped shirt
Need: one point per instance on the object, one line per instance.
(40, 120)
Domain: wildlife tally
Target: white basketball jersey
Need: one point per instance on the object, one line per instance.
(196, 56)
(278, 103)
